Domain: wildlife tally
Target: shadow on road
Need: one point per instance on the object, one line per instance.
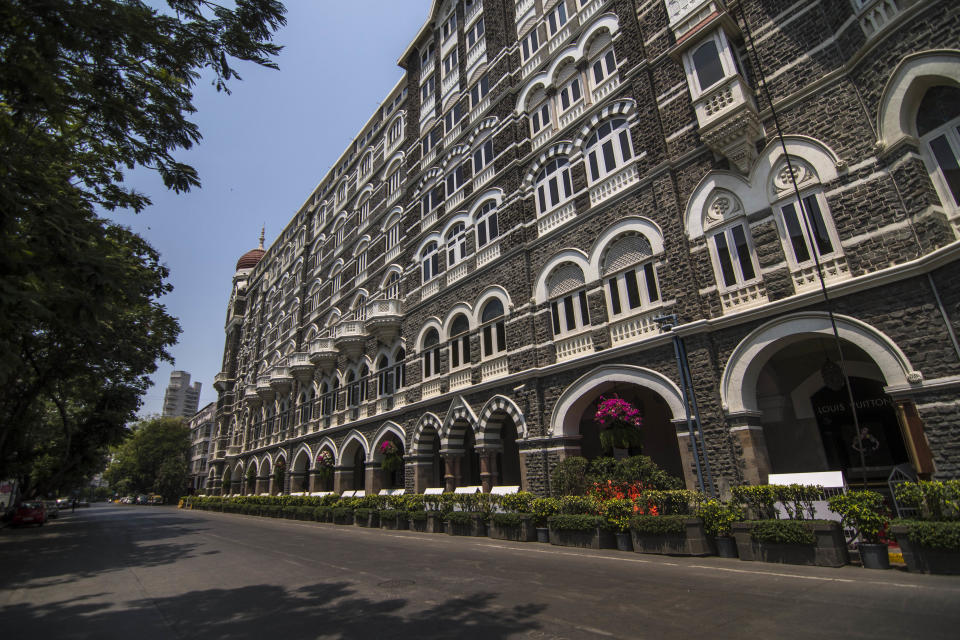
(317, 611)
(60, 552)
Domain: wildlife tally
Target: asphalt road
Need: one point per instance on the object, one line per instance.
(140, 573)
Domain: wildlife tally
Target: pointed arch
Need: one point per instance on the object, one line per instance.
(326, 443)
(905, 88)
(354, 437)
(387, 428)
(460, 417)
(417, 443)
(499, 404)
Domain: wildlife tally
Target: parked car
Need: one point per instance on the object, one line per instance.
(30, 513)
(53, 510)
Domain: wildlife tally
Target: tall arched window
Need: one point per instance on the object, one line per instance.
(400, 370)
(707, 65)
(459, 342)
(430, 261)
(608, 148)
(553, 185)
(384, 377)
(456, 244)
(494, 332)
(938, 126)
(568, 305)
(393, 286)
(808, 228)
(629, 275)
(357, 386)
(431, 354)
(486, 224)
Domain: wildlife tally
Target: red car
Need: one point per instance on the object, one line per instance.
(30, 513)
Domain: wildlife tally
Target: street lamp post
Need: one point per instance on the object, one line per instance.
(667, 323)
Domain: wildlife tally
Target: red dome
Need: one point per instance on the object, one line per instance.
(250, 259)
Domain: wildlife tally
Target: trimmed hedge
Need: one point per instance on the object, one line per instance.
(419, 516)
(576, 522)
(659, 525)
(510, 520)
(783, 532)
(342, 515)
(935, 535)
(459, 517)
(391, 514)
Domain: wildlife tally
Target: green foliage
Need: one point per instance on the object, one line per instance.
(519, 502)
(863, 511)
(574, 505)
(342, 515)
(392, 514)
(782, 532)
(419, 516)
(570, 477)
(543, 508)
(671, 501)
(461, 518)
(89, 90)
(621, 436)
(659, 525)
(936, 500)
(574, 522)
(797, 500)
(757, 499)
(153, 459)
(323, 514)
(509, 520)
(944, 535)
(718, 518)
(617, 513)
(413, 501)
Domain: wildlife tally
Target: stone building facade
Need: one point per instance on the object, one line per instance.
(202, 430)
(181, 399)
(559, 194)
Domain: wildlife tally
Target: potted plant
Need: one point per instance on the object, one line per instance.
(581, 530)
(542, 509)
(618, 512)
(514, 519)
(718, 519)
(864, 511)
(392, 457)
(664, 524)
(619, 423)
(930, 543)
(325, 465)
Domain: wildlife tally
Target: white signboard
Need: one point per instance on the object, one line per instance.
(831, 481)
(473, 489)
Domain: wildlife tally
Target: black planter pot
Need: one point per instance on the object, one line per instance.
(418, 525)
(726, 546)
(590, 539)
(829, 549)
(543, 535)
(874, 556)
(624, 541)
(524, 532)
(922, 559)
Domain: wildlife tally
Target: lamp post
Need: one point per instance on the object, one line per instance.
(667, 323)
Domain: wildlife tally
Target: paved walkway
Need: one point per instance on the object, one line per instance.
(156, 572)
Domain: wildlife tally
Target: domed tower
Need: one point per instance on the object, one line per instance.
(225, 382)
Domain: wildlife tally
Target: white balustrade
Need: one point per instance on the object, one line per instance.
(574, 347)
(457, 272)
(742, 297)
(633, 328)
(432, 388)
(496, 368)
(488, 253)
(429, 289)
(483, 177)
(556, 217)
(460, 379)
(614, 184)
(572, 114)
(605, 89)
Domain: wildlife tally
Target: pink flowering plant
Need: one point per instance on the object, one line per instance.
(619, 423)
(325, 463)
(392, 458)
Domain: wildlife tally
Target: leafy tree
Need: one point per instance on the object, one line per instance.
(89, 90)
(153, 459)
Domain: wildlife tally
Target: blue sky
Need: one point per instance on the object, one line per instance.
(264, 149)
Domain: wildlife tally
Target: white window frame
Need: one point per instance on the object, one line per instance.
(479, 91)
(475, 33)
(573, 303)
(734, 254)
(483, 155)
(557, 18)
(493, 332)
(430, 355)
(485, 220)
(449, 27)
(460, 347)
(529, 45)
(393, 234)
(603, 62)
(727, 63)
(430, 262)
(450, 63)
(540, 118)
(558, 179)
(951, 131)
(641, 274)
(816, 194)
(566, 94)
(427, 88)
(455, 243)
(598, 153)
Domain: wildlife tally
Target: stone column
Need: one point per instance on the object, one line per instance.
(453, 467)
(488, 469)
(422, 468)
(373, 480)
(747, 432)
(341, 479)
(686, 455)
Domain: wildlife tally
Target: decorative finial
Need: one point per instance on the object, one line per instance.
(262, 229)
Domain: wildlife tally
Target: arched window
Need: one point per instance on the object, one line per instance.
(540, 118)
(400, 370)
(357, 386)
(366, 164)
(459, 342)
(326, 400)
(363, 211)
(938, 127)
(608, 148)
(629, 275)
(360, 308)
(430, 261)
(431, 354)
(393, 232)
(808, 228)
(456, 244)
(393, 286)
(396, 130)
(494, 332)
(731, 247)
(553, 185)
(486, 224)
(568, 305)
(482, 156)
(604, 67)
(384, 377)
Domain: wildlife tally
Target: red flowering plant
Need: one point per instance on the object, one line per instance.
(620, 501)
(325, 463)
(392, 458)
(619, 423)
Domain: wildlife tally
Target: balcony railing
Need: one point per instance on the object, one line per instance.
(574, 347)
(383, 319)
(432, 388)
(493, 369)
(350, 336)
(460, 379)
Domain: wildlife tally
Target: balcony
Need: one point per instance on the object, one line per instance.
(301, 367)
(222, 382)
(460, 379)
(251, 396)
(458, 272)
(728, 120)
(472, 11)
(493, 369)
(744, 296)
(606, 88)
(614, 184)
(323, 354)
(487, 254)
(432, 388)
(484, 176)
(634, 328)
(574, 347)
(480, 109)
(350, 337)
(281, 381)
(430, 289)
(264, 390)
(476, 55)
(555, 218)
(383, 320)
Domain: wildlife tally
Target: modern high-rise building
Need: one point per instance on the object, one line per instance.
(567, 200)
(181, 398)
